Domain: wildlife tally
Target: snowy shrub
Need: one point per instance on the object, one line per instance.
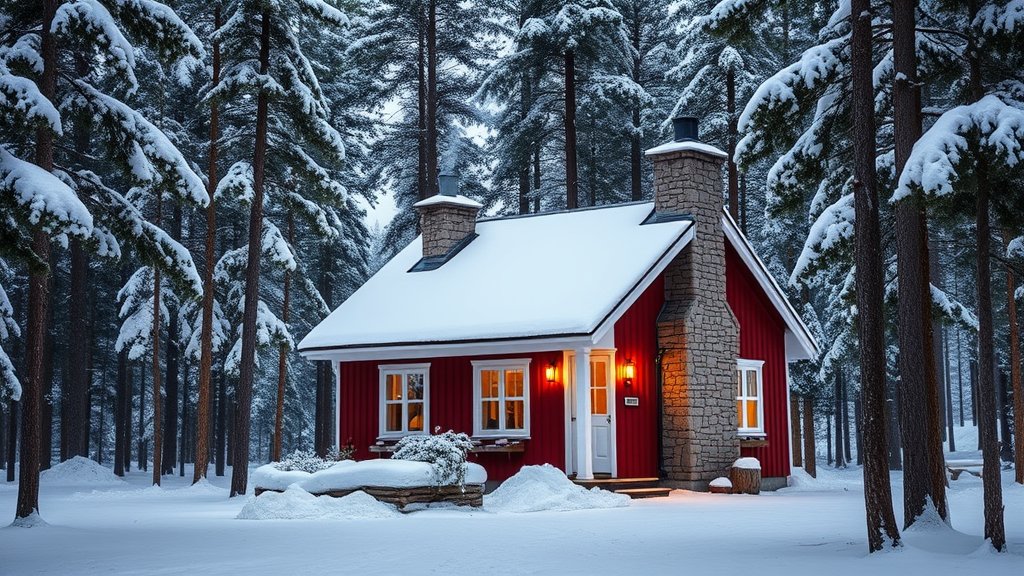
(308, 461)
(446, 452)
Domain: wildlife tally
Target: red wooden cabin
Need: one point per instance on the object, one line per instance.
(654, 320)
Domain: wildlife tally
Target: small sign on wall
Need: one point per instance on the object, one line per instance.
(632, 401)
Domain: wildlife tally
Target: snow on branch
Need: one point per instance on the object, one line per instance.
(47, 201)
(152, 156)
(953, 309)
(994, 20)
(833, 227)
(20, 97)
(237, 184)
(10, 387)
(1015, 248)
(90, 19)
(778, 98)
(943, 153)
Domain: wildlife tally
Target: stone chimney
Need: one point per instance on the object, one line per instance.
(696, 328)
(447, 219)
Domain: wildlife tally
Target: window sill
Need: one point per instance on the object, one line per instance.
(509, 437)
(753, 440)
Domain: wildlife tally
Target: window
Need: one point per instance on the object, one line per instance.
(501, 397)
(404, 399)
(749, 402)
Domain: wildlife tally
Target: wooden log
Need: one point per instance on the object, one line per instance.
(720, 486)
(745, 476)
(472, 495)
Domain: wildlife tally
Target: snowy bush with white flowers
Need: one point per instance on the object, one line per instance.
(310, 461)
(446, 452)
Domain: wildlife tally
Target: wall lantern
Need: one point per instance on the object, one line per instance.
(549, 373)
(629, 372)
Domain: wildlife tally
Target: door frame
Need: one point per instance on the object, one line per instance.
(568, 359)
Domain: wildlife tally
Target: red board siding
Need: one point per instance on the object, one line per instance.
(762, 337)
(451, 407)
(637, 426)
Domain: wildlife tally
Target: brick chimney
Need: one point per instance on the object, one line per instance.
(696, 328)
(447, 218)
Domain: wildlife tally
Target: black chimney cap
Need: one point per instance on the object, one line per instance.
(448, 185)
(685, 128)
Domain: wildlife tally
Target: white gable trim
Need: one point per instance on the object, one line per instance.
(800, 345)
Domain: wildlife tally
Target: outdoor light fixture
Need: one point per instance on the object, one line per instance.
(549, 373)
(629, 372)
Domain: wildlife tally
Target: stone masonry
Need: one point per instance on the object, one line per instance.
(696, 328)
(444, 225)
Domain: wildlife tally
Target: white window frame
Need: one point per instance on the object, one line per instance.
(389, 369)
(742, 366)
(501, 365)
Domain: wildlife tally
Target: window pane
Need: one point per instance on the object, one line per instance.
(415, 417)
(488, 383)
(739, 414)
(489, 415)
(598, 400)
(752, 415)
(513, 383)
(393, 417)
(515, 418)
(414, 384)
(752, 384)
(599, 374)
(393, 387)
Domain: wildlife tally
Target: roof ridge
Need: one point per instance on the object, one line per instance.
(573, 211)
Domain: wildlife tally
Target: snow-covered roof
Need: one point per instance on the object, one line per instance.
(552, 275)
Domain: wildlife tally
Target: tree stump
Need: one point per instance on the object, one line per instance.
(745, 475)
(721, 485)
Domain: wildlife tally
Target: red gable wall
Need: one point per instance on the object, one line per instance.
(762, 337)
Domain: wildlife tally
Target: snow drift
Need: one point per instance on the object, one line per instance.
(297, 504)
(79, 471)
(539, 488)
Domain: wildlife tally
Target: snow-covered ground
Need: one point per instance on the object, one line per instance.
(816, 526)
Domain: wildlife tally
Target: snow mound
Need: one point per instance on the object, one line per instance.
(79, 471)
(539, 488)
(297, 504)
(349, 474)
(747, 464)
(721, 482)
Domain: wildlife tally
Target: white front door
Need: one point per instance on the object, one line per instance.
(601, 391)
(602, 405)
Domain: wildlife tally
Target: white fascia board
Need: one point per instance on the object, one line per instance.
(803, 346)
(427, 350)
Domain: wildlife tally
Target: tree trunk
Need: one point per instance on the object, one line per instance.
(846, 420)
(730, 108)
(1005, 436)
(973, 374)
(828, 438)
(1015, 379)
(525, 103)
(840, 457)
(206, 333)
(171, 384)
(893, 418)
(12, 437)
(571, 183)
(918, 405)
(243, 392)
(858, 419)
(635, 153)
(422, 176)
(810, 464)
(158, 428)
(38, 299)
(141, 447)
(126, 451)
(432, 164)
(222, 424)
(796, 444)
(282, 364)
(119, 406)
(183, 444)
(949, 391)
(881, 522)
(73, 418)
